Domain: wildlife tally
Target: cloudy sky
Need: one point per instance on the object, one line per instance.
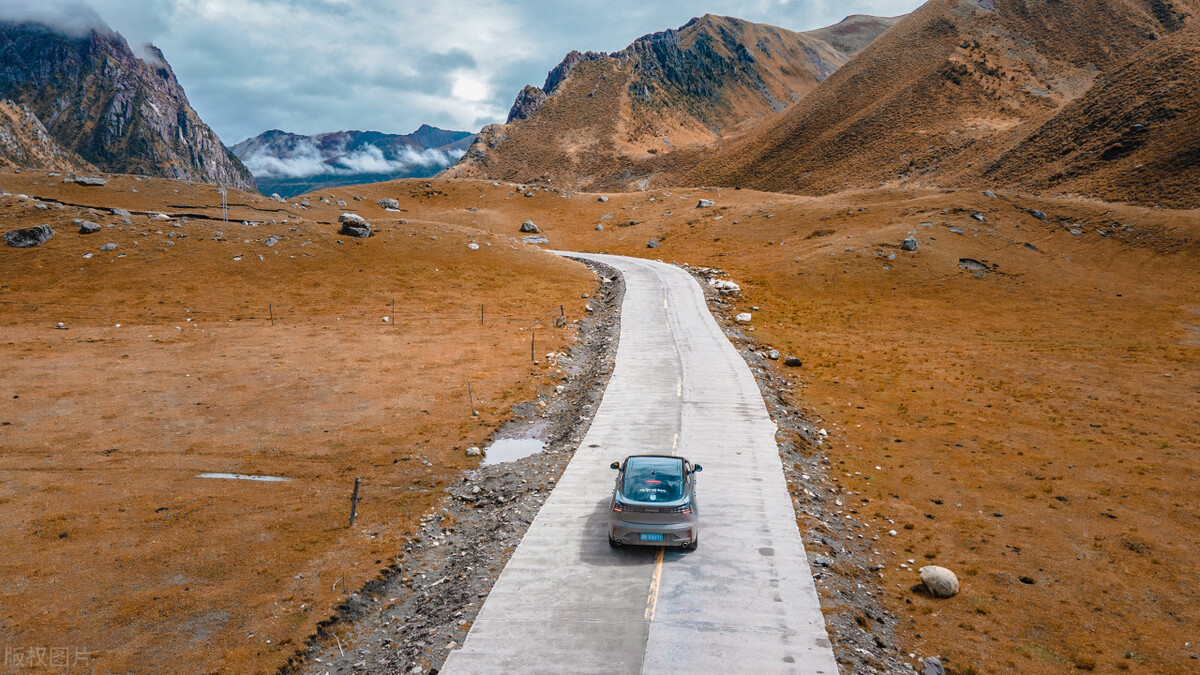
(310, 66)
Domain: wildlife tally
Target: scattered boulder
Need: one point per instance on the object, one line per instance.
(109, 247)
(121, 212)
(40, 207)
(159, 216)
(909, 244)
(1037, 214)
(941, 582)
(1030, 246)
(724, 287)
(535, 239)
(773, 355)
(653, 243)
(474, 452)
(389, 204)
(600, 227)
(601, 199)
(354, 225)
(341, 202)
(705, 203)
(28, 237)
(473, 246)
(793, 362)
(88, 227)
(932, 666)
(271, 240)
(979, 216)
(973, 265)
(528, 194)
(989, 194)
(276, 197)
(744, 317)
(530, 228)
(90, 181)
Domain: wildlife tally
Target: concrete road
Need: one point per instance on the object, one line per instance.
(744, 601)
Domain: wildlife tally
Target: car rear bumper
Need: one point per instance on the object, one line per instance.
(673, 534)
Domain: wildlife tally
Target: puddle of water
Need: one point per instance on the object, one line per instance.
(510, 449)
(242, 476)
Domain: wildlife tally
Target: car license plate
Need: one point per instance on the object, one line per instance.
(651, 537)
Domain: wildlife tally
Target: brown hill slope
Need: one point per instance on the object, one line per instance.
(1135, 136)
(119, 112)
(598, 114)
(953, 86)
(24, 142)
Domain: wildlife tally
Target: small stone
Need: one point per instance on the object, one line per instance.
(121, 212)
(271, 240)
(793, 362)
(600, 228)
(989, 194)
(823, 561)
(1028, 580)
(941, 582)
(389, 204)
(473, 246)
(1037, 214)
(705, 203)
(529, 227)
(535, 239)
(474, 452)
(601, 199)
(653, 243)
(744, 317)
(979, 216)
(932, 666)
(109, 247)
(892, 533)
(90, 181)
(88, 227)
(909, 244)
(773, 355)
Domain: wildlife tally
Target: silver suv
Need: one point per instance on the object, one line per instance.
(654, 502)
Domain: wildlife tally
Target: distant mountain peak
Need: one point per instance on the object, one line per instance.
(130, 113)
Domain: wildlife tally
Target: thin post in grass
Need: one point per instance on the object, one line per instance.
(393, 311)
(354, 502)
(471, 400)
(532, 339)
(271, 310)
(480, 314)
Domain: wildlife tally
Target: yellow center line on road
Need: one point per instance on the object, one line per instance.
(652, 599)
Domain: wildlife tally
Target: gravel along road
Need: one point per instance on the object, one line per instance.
(744, 601)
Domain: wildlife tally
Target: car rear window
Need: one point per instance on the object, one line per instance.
(653, 479)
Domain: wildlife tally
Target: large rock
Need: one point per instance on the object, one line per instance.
(535, 239)
(29, 237)
(940, 581)
(90, 181)
(121, 212)
(354, 225)
(529, 227)
(744, 317)
(932, 666)
(389, 204)
(705, 203)
(88, 227)
(910, 244)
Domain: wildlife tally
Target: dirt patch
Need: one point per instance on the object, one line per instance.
(421, 608)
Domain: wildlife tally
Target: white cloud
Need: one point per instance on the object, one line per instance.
(72, 17)
(305, 160)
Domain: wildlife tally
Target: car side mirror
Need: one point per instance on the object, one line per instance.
(697, 468)
(615, 465)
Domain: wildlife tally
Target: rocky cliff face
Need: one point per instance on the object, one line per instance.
(119, 113)
(25, 143)
(610, 119)
(291, 164)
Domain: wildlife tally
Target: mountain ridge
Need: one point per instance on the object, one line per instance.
(118, 112)
(598, 115)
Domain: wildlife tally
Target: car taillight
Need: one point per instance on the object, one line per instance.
(686, 508)
(616, 507)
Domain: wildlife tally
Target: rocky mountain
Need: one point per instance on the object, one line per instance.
(291, 164)
(1036, 93)
(599, 116)
(119, 112)
(25, 143)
